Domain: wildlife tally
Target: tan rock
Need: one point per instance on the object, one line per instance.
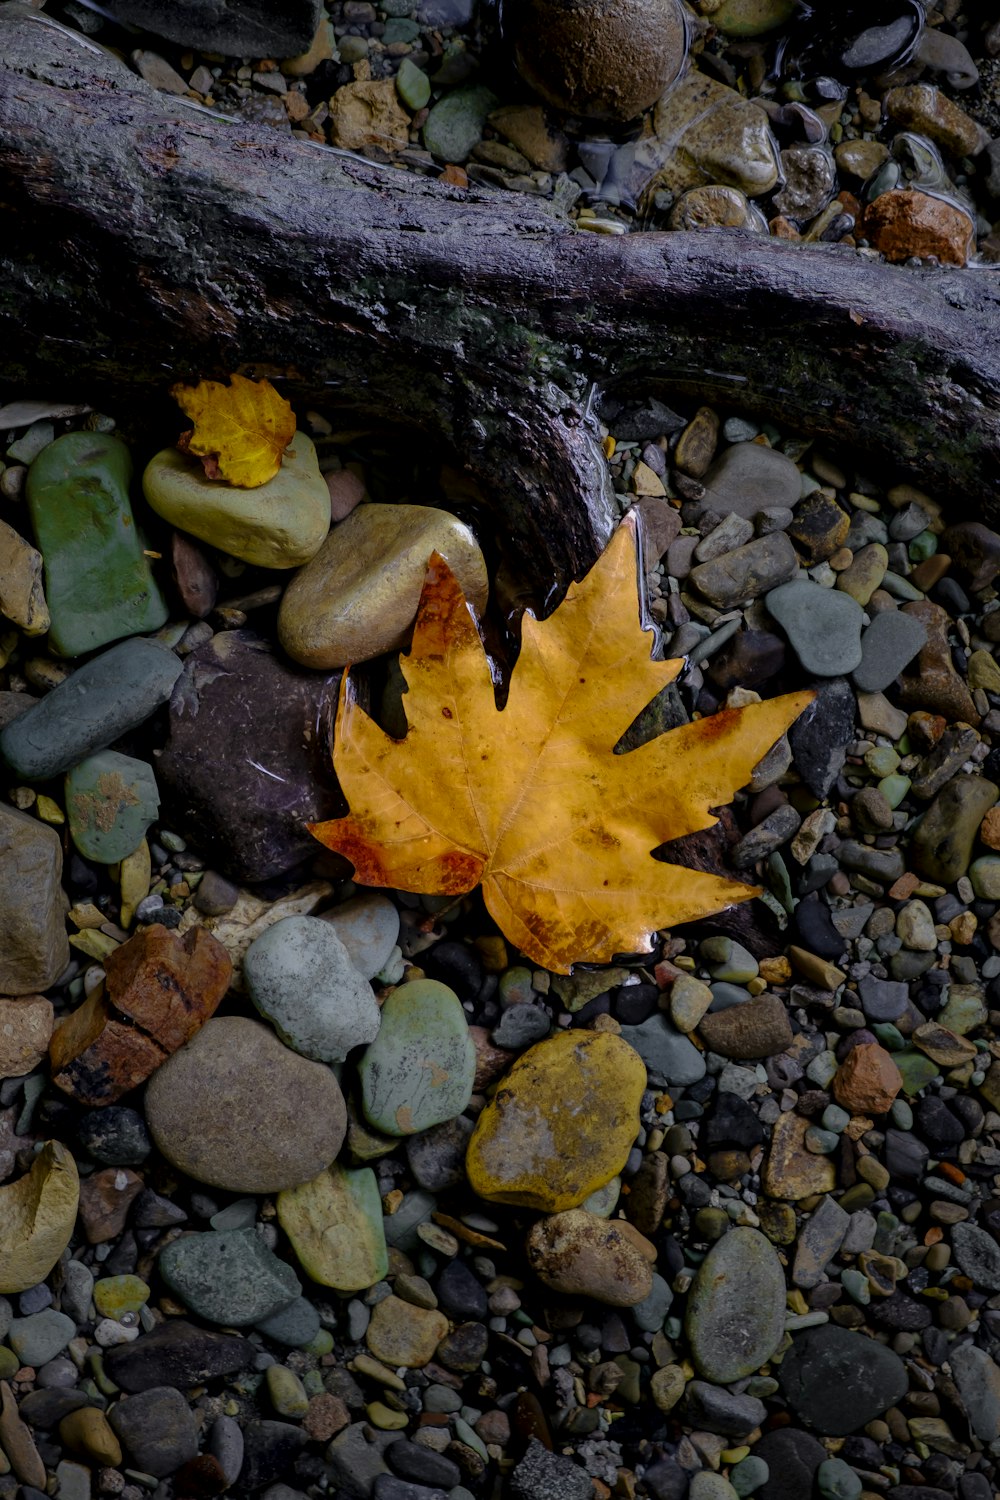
(582, 1255)
(237, 1109)
(989, 829)
(22, 596)
(867, 1081)
(37, 1215)
(905, 223)
(528, 128)
(705, 132)
(922, 107)
(369, 114)
(946, 1048)
(859, 158)
(793, 1172)
(401, 1333)
(358, 597)
(18, 1443)
(25, 1029)
(757, 1028)
(160, 988)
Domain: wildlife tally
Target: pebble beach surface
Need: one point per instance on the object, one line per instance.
(311, 1190)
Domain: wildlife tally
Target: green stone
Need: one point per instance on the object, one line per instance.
(400, 29)
(111, 800)
(728, 960)
(749, 1474)
(965, 1009)
(882, 761)
(98, 583)
(286, 1391)
(890, 1036)
(412, 85)
(985, 876)
(419, 1070)
(455, 124)
(231, 1278)
(946, 834)
(915, 1068)
(735, 1316)
(573, 990)
(855, 1283)
(334, 1223)
(837, 1480)
(984, 672)
(744, 18)
(894, 789)
(922, 547)
(821, 1142)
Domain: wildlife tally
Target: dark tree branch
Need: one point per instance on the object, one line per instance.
(144, 241)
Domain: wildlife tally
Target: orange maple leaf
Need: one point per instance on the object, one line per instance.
(530, 800)
(240, 430)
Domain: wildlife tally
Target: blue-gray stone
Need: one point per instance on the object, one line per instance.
(670, 1057)
(891, 640)
(822, 625)
(101, 701)
(295, 1326)
(230, 1278)
(37, 1339)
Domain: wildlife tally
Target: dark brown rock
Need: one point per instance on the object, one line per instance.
(247, 809)
(177, 1354)
(757, 1028)
(194, 577)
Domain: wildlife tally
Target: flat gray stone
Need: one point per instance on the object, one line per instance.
(37, 1339)
(368, 927)
(978, 1381)
(820, 1239)
(669, 1055)
(823, 626)
(157, 1430)
(748, 477)
(978, 1254)
(253, 28)
(891, 640)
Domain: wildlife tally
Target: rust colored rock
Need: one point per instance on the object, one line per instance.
(200, 1478)
(757, 1028)
(105, 1199)
(159, 991)
(901, 224)
(867, 1081)
(196, 580)
(976, 550)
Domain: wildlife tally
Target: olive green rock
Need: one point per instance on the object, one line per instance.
(280, 524)
(98, 582)
(742, 18)
(37, 1216)
(946, 834)
(111, 800)
(359, 595)
(420, 1068)
(334, 1224)
(736, 1308)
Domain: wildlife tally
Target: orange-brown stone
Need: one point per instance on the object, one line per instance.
(159, 991)
(867, 1081)
(989, 829)
(901, 224)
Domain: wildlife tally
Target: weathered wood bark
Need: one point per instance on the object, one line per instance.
(144, 241)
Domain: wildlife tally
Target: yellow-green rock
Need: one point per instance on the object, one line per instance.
(560, 1124)
(358, 597)
(280, 524)
(742, 18)
(89, 1433)
(334, 1223)
(286, 1391)
(37, 1215)
(116, 1295)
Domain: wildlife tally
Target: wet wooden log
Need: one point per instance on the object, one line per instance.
(144, 241)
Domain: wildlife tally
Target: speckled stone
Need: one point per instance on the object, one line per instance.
(736, 1307)
(420, 1068)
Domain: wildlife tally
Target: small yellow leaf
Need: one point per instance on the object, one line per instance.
(531, 800)
(37, 1215)
(242, 428)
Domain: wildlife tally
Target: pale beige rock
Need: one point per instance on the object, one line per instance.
(369, 114)
(22, 596)
(37, 1215)
(280, 524)
(358, 597)
(25, 1030)
(792, 1172)
(582, 1255)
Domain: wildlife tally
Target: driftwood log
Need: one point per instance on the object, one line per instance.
(144, 241)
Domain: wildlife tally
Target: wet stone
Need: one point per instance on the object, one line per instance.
(820, 736)
(945, 837)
